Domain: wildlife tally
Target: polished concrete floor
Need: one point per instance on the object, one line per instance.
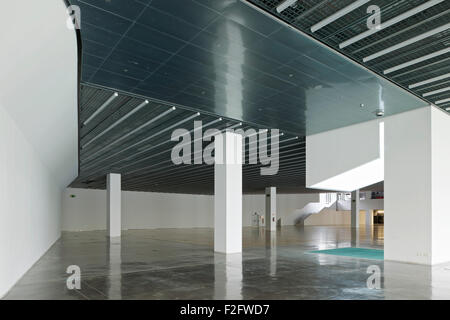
(181, 264)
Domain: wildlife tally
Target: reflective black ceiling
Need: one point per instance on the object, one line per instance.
(223, 58)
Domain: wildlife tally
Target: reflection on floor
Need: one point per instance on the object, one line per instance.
(181, 264)
(363, 253)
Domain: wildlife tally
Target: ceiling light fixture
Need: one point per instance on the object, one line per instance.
(431, 93)
(379, 113)
(339, 14)
(143, 150)
(131, 132)
(418, 60)
(102, 107)
(143, 140)
(115, 124)
(421, 83)
(391, 22)
(407, 42)
(235, 126)
(442, 101)
(285, 4)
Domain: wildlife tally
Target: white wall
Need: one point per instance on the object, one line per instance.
(345, 159)
(145, 210)
(38, 130)
(440, 179)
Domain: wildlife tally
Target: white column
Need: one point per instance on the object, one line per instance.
(114, 205)
(114, 284)
(228, 193)
(416, 187)
(369, 218)
(355, 209)
(271, 252)
(228, 276)
(271, 209)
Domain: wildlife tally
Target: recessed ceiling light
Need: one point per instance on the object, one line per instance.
(379, 113)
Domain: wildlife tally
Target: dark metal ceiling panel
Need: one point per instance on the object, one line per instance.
(226, 58)
(132, 136)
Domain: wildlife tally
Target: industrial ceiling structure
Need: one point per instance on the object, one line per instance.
(151, 66)
(411, 45)
(131, 135)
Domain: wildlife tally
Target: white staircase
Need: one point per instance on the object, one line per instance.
(326, 200)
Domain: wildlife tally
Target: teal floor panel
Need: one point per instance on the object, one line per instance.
(362, 253)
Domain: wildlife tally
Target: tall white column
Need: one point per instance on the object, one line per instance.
(228, 193)
(114, 205)
(416, 187)
(271, 252)
(355, 209)
(271, 209)
(115, 269)
(228, 276)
